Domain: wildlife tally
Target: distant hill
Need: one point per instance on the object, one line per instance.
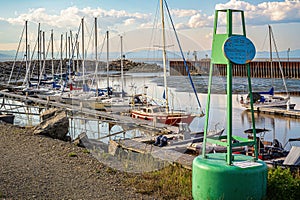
(7, 55)
(10, 55)
(282, 54)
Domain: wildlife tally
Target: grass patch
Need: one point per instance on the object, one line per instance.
(175, 182)
(72, 154)
(85, 151)
(172, 182)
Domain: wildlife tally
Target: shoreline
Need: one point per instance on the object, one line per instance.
(39, 167)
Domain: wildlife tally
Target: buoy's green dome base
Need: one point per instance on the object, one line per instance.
(213, 178)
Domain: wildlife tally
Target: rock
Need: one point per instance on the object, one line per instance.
(80, 140)
(56, 126)
(49, 113)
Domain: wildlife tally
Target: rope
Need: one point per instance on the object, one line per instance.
(280, 67)
(16, 55)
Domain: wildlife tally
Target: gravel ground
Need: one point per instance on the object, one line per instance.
(38, 167)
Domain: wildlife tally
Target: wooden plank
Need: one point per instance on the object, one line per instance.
(279, 111)
(161, 153)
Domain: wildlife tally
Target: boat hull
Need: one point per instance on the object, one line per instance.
(172, 119)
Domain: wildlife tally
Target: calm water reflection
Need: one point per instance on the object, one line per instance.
(182, 97)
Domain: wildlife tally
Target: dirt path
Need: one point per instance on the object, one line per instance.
(38, 167)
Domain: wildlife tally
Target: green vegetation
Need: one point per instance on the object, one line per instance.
(85, 151)
(172, 182)
(72, 154)
(175, 182)
(283, 185)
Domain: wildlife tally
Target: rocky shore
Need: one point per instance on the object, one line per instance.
(19, 67)
(39, 167)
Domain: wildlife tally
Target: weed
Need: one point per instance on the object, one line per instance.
(85, 151)
(282, 184)
(72, 154)
(172, 182)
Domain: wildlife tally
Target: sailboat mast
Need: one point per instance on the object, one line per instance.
(26, 47)
(77, 53)
(52, 55)
(39, 52)
(96, 55)
(83, 56)
(66, 47)
(122, 75)
(107, 61)
(61, 56)
(164, 54)
(43, 71)
(271, 58)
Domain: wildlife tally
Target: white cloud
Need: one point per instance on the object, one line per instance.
(183, 13)
(129, 21)
(199, 20)
(263, 13)
(71, 17)
(266, 12)
(121, 20)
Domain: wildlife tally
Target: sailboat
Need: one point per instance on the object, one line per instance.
(162, 114)
(85, 95)
(268, 98)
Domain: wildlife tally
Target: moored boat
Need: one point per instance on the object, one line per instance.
(269, 99)
(165, 114)
(159, 115)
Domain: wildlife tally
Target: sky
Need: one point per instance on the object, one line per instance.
(136, 20)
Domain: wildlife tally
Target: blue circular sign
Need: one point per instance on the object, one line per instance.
(239, 49)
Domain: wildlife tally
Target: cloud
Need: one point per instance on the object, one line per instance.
(266, 12)
(263, 13)
(71, 17)
(260, 14)
(183, 13)
(199, 20)
(121, 20)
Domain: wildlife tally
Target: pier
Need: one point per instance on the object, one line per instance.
(164, 154)
(259, 68)
(127, 123)
(112, 118)
(279, 111)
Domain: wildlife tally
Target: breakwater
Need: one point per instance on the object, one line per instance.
(259, 69)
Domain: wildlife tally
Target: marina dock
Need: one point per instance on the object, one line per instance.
(126, 122)
(168, 155)
(278, 111)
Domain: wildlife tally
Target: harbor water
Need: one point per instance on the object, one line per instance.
(181, 97)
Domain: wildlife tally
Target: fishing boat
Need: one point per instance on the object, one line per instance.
(268, 98)
(267, 150)
(163, 114)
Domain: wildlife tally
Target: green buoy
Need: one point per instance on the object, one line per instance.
(227, 175)
(213, 178)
